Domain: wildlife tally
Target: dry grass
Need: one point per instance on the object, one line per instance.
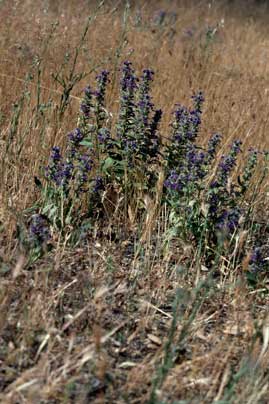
(94, 323)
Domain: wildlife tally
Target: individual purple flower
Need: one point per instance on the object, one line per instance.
(148, 75)
(102, 77)
(174, 181)
(105, 139)
(85, 109)
(87, 103)
(214, 203)
(55, 154)
(85, 162)
(76, 136)
(259, 258)
(39, 228)
(228, 220)
(98, 184)
(67, 171)
(131, 145)
(236, 146)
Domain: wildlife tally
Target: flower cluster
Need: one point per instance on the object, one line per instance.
(138, 121)
(71, 172)
(87, 103)
(187, 121)
(59, 171)
(227, 163)
(126, 125)
(145, 105)
(190, 171)
(188, 166)
(184, 160)
(185, 127)
(102, 82)
(198, 100)
(147, 125)
(212, 147)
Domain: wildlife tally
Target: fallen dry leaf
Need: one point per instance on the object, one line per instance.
(153, 338)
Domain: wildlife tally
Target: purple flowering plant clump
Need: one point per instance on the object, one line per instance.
(206, 203)
(69, 174)
(205, 198)
(95, 155)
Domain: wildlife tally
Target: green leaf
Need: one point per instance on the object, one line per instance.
(86, 142)
(108, 163)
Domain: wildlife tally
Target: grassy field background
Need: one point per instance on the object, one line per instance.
(127, 315)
